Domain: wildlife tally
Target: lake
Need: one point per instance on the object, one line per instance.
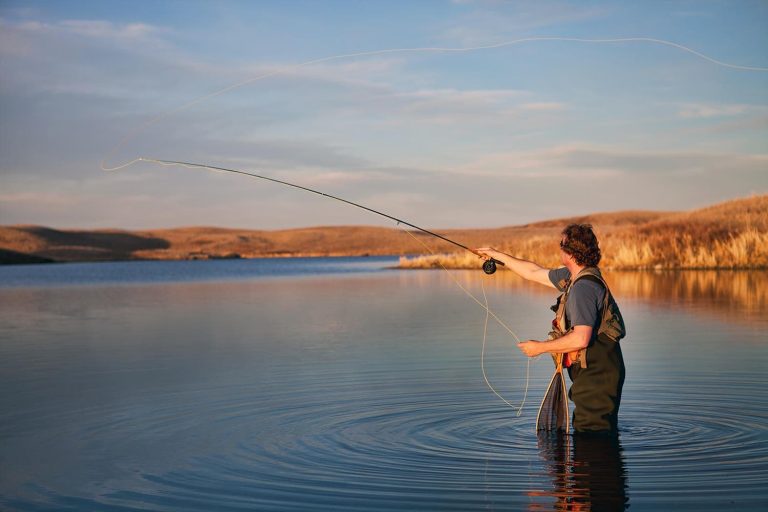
(341, 384)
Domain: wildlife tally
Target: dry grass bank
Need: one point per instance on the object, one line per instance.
(732, 235)
(728, 235)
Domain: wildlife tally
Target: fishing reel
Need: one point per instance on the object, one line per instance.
(489, 266)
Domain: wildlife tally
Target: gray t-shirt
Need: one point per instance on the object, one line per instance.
(584, 301)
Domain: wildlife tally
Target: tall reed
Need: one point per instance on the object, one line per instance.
(704, 242)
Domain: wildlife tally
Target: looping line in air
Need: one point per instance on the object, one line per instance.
(154, 120)
(134, 133)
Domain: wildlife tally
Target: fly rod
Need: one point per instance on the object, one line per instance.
(489, 266)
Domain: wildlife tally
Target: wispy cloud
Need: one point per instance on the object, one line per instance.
(579, 161)
(543, 106)
(450, 97)
(100, 29)
(96, 58)
(108, 30)
(411, 132)
(278, 154)
(705, 111)
(64, 201)
(447, 104)
(142, 65)
(454, 106)
(487, 21)
(50, 198)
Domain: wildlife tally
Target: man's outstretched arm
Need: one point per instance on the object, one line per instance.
(525, 269)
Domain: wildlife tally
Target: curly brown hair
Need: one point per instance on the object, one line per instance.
(580, 242)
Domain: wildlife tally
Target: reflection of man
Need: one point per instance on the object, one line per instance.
(590, 474)
(588, 327)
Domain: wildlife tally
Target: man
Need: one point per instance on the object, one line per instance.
(588, 327)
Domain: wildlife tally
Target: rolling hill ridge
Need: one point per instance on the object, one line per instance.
(733, 234)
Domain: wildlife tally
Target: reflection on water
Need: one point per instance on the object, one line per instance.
(738, 296)
(586, 473)
(363, 391)
(732, 295)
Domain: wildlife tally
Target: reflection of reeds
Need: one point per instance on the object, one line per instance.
(733, 295)
(740, 294)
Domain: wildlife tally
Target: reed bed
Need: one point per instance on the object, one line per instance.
(748, 249)
(732, 235)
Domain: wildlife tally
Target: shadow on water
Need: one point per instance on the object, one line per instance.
(586, 473)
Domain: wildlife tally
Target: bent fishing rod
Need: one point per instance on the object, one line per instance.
(489, 266)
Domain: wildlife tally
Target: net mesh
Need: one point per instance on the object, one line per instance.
(553, 413)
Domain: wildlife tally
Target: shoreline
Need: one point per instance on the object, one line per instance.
(404, 262)
(733, 234)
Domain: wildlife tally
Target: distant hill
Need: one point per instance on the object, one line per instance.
(736, 230)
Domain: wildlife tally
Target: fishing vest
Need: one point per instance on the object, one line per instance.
(611, 322)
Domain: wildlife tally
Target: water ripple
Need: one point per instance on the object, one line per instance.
(414, 449)
(292, 420)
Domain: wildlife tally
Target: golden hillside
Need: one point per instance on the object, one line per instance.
(727, 235)
(730, 235)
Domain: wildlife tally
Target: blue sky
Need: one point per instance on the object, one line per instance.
(486, 138)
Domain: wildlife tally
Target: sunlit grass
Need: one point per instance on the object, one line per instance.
(732, 235)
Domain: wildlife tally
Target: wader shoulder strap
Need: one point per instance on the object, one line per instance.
(611, 322)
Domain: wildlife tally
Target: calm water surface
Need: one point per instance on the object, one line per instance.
(338, 384)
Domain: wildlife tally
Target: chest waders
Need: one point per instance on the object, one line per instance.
(597, 371)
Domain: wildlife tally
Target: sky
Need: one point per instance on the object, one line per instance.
(500, 136)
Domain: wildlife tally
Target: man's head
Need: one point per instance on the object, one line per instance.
(580, 243)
